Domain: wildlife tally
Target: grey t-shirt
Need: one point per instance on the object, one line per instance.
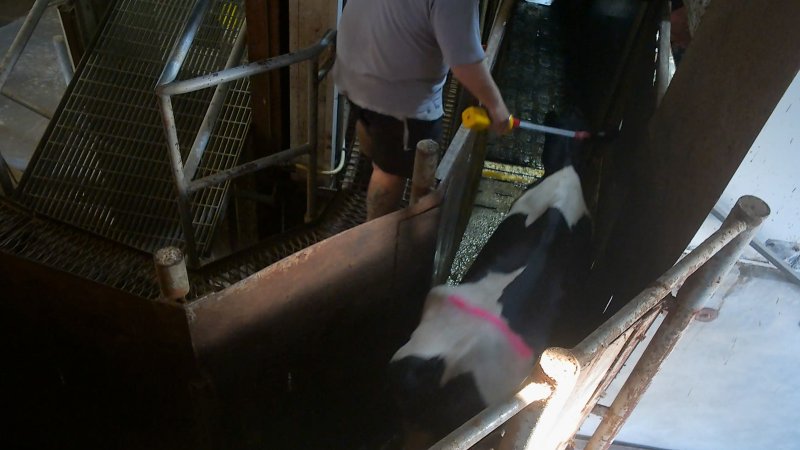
(392, 56)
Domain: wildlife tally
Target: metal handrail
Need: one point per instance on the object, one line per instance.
(697, 275)
(7, 65)
(167, 86)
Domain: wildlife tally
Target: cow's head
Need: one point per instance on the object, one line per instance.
(455, 364)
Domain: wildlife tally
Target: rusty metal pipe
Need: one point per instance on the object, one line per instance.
(692, 296)
(490, 419)
(173, 280)
(423, 180)
(604, 335)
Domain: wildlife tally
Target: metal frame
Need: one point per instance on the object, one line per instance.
(7, 65)
(584, 377)
(167, 86)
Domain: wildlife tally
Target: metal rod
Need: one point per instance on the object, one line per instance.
(214, 108)
(313, 140)
(21, 40)
(249, 167)
(490, 419)
(607, 333)
(545, 129)
(692, 296)
(181, 49)
(423, 180)
(63, 58)
(764, 251)
(170, 87)
(181, 185)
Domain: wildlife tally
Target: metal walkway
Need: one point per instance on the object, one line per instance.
(103, 165)
(88, 256)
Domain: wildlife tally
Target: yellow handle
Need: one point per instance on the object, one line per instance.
(477, 118)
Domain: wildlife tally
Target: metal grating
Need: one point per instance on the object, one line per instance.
(102, 165)
(88, 256)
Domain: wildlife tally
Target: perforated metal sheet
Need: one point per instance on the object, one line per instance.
(102, 165)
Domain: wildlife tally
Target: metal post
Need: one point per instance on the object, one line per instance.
(311, 175)
(214, 108)
(423, 180)
(181, 185)
(171, 273)
(691, 298)
(21, 40)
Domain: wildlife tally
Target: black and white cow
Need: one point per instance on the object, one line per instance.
(478, 341)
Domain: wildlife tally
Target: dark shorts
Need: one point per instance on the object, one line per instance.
(394, 141)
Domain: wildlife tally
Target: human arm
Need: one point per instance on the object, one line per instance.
(479, 82)
(456, 25)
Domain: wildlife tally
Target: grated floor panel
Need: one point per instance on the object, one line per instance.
(103, 165)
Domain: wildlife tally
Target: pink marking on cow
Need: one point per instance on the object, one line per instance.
(520, 347)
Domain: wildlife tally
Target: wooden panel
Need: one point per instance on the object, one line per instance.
(739, 65)
(264, 41)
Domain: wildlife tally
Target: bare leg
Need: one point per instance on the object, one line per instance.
(385, 190)
(384, 193)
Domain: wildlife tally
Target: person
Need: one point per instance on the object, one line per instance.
(392, 59)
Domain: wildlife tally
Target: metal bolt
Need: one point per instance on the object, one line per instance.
(706, 315)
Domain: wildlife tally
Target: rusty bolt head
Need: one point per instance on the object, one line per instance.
(706, 315)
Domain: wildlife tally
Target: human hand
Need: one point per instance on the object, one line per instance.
(500, 119)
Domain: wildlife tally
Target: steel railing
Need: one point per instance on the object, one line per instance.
(184, 172)
(574, 379)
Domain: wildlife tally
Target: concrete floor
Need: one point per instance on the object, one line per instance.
(36, 79)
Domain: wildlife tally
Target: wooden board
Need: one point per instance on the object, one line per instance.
(738, 66)
(308, 21)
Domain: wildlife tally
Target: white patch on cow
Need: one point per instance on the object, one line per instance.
(561, 190)
(467, 343)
